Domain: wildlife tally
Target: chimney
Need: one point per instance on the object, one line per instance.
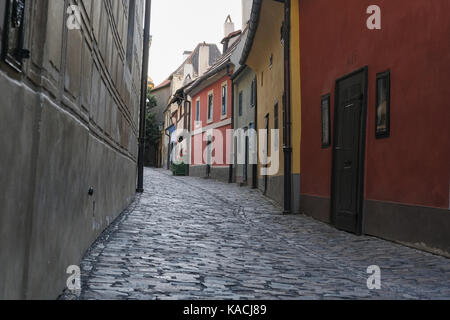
(203, 59)
(229, 26)
(246, 12)
(188, 69)
(186, 54)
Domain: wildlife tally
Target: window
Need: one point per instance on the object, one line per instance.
(240, 104)
(130, 34)
(2, 17)
(383, 105)
(197, 111)
(185, 115)
(275, 118)
(326, 129)
(13, 53)
(253, 94)
(210, 107)
(224, 100)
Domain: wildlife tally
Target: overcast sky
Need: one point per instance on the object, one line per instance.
(179, 25)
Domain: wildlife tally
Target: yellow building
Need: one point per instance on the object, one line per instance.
(269, 54)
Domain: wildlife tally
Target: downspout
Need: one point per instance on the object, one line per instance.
(145, 57)
(189, 107)
(287, 148)
(230, 173)
(255, 166)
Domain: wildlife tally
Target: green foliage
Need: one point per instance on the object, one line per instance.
(152, 133)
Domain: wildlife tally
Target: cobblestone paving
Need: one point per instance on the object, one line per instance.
(190, 238)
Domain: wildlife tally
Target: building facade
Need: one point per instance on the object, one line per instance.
(68, 134)
(162, 96)
(177, 114)
(264, 53)
(211, 119)
(244, 104)
(375, 145)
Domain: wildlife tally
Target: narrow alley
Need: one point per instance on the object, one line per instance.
(191, 238)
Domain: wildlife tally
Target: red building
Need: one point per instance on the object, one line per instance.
(375, 151)
(211, 112)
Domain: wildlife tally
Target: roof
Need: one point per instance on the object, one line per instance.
(214, 54)
(164, 84)
(231, 35)
(220, 65)
(253, 26)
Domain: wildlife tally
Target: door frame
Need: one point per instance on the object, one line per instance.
(361, 151)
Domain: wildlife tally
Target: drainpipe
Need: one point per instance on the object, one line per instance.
(140, 184)
(287, 147)
(255, 166)
(189, 107)
(230, 173)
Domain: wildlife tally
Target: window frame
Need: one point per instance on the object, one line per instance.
(14, 59)
(325, 113)
(210, 106)
(253, 93)
(130, 34)
(2, 21)
(385, 133)
(224, 101)
(276, 116)
(197, 110)
(240, 103)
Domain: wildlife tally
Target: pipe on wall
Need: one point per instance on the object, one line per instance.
(287, 146)
(143, 106)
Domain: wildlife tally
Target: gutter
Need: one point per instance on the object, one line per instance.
(253, 26)
(238, 72)
(143, 111)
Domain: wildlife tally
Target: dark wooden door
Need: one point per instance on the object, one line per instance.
(349, 147)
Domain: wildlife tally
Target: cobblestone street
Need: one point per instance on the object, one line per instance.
(189, 238)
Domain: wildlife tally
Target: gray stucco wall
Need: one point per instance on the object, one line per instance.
(242, 84)
(68, 122)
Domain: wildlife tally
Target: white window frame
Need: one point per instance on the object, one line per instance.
(222, 115)
(210, 94)
(197, 113)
